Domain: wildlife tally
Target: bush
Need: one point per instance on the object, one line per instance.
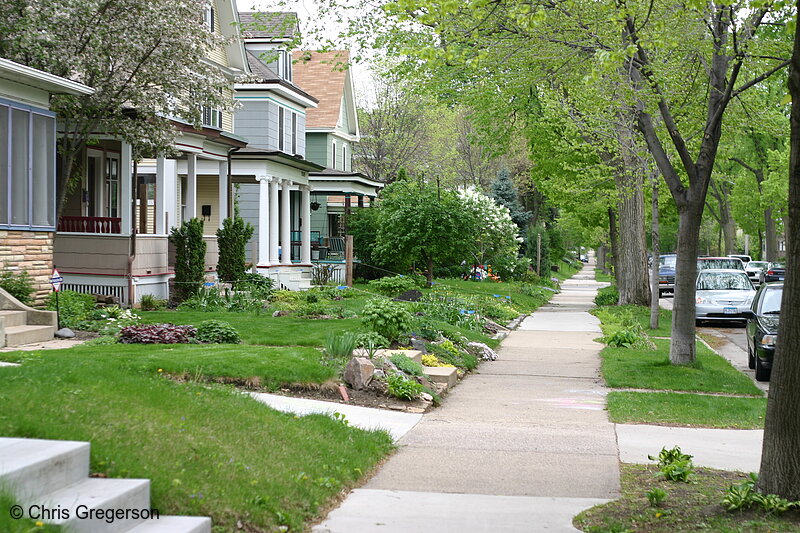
(674, 465)
(157, 334)
(607, 296)
(447, 352)
(432, 360)
(20, 286)
(371, 339)
(403, 388)
(407, 365)
(232, 239)
(386, 318)
(190, 257)
(148, 302)
(313, 310)
(217, 332)
(210, 299)
(257, 285)
(73, 307)
(393, 286)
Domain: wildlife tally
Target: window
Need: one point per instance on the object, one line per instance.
(281, 118)
(212, 117)
(333, 154)
(27, 166)
(344, 157)
(112, 187)
(294, 133)
(208, 18)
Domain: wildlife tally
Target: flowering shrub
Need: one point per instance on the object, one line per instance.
(495, 234)
(432, 360)
(157, 334)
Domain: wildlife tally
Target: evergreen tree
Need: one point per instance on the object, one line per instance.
(504, 193)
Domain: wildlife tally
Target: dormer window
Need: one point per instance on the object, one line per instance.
(212, 118)
(208, 18)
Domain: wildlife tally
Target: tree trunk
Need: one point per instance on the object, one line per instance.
(770, 235)
(682, 345)
(631, 253)
(654, 292)
(612, 231)
(780, 455)
(429, 273)
(601, 258)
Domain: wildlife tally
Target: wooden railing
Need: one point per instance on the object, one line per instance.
(106, 225)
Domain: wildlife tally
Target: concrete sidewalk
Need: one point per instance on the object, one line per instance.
(522, 445)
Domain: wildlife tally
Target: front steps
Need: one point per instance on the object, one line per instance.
(20, 324)
(54, 474)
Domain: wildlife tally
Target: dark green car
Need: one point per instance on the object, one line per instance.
(762, 328)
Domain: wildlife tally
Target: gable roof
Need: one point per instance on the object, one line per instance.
(323, 74)
(269, 25)
(259, 69)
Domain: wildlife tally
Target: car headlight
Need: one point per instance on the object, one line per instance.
(769, 340)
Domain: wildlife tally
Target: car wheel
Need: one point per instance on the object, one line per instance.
(698, 323)
(762, 372)
(751, 361)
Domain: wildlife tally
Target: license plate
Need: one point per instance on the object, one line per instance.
(730, 310)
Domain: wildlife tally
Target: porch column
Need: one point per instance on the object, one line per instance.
(360, 200)
(286, 224)
(166, 195)
(263, 220)
(305, 246)
(125, 189)
(273, 221)
(347, 210)
(191, 186)
(223, 191)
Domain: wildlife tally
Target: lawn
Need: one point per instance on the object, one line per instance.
(208, 450)
(673, 409)
(602, 277)
(688, 507)
(642, 369)
(639, 313)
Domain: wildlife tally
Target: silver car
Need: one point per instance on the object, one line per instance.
(723, 295)
(754, 268)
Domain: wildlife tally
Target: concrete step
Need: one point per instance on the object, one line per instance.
(17, 335)
(14, 318)
(175, 524)
(94, 494)
(442, 374)
(34, 467)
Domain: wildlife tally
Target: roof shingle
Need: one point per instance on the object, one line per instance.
(269, 25)
(322, 74)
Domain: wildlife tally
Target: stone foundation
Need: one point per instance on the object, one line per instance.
(32, 252)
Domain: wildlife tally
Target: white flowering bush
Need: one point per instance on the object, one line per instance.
(495, 234)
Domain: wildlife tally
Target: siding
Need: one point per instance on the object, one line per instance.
(317, 148)
(301, 135)
(248, 196)
(208, 194)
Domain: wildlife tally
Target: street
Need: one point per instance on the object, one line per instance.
(729, 340)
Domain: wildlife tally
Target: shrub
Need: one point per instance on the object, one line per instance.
(403, 388)
(20, 286)
(393, 286)
(148, 302)
(217, 332)
(407, 365)
(256, 284)
(232, 239)
(313, 310)
(73, 307)
(371, 339)
(432, 360)
(386, 318)
(607, 296)
(190, 257)
(157, 334)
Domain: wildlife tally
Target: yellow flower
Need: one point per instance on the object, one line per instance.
(160, 370)
(40, 524)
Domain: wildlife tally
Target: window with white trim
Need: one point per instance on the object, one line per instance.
(281, 118)
(294, 133)
(212, 117)
(208, 18)
(333, 154)
(27, 166)
(344, 157)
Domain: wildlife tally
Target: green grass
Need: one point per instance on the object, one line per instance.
(522, 302)
(641, 314)
(22, 525)
(638, 369)
(673, 409)
(602, 277)
(207, 449)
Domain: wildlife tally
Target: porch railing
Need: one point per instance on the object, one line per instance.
(106, 225)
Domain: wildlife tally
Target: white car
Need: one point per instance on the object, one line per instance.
(723, 295)
(754, 268)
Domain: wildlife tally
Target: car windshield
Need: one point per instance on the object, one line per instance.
(771, 301)
(724, 263)
(756, 265)
(727, 281)
(778, 266)
(667, 261)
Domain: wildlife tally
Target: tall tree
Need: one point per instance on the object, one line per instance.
(780, 457)
(146, 61)
(505, 194)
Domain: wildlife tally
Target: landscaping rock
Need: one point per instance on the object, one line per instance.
(280, 313)
(358, 372)
(65, 333)
(479, 349)
(426, 397)
(410, 296)
(419, 345)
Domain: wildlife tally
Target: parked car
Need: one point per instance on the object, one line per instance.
(754, 268)
(666, 273)
(772, 272)
(728, 263)
(723, 295)
(762, 328)
(745, 258)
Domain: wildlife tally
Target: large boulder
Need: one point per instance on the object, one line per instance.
(358, 372)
